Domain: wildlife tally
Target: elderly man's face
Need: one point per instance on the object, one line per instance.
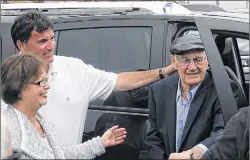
(191, 67)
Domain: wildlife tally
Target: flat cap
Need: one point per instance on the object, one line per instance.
(186, 43)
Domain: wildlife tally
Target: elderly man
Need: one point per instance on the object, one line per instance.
(185, 111)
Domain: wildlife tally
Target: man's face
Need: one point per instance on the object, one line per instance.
(191, 67)
(40, 44)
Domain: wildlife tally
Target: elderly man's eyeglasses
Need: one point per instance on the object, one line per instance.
(196, 60)
(41, 83)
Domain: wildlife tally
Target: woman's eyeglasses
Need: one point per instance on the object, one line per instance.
(41, 83)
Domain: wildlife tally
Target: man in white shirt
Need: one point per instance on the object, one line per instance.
(73, 83)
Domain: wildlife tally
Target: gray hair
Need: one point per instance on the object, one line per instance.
(6, 149)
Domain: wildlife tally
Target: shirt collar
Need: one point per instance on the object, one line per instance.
(52, 68)
(193, 89)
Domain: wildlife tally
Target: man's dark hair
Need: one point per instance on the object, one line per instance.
(28, 22)
(16, 73)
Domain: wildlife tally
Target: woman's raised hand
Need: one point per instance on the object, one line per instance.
(113, 136)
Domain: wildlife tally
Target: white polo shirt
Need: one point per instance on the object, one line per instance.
(73, 85)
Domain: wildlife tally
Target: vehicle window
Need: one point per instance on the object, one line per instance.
(110, 49)
(195, 32)
(56, 38)
(243, 45)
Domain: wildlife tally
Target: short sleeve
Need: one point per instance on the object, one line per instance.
(99, 83)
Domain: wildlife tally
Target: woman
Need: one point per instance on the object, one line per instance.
(24, 88)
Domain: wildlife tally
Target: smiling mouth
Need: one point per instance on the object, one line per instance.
(47, 54)
(192, 74)
(44, 94)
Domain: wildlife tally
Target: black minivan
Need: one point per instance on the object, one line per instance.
(131, 40)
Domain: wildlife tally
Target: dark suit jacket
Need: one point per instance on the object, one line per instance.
(203, 124)
(234, 141)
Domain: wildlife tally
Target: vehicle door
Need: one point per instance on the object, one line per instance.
(236, 52)
(227, 101)
(115, 45)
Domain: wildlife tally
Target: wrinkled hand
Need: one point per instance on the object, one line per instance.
(197, 152)
(113, 136)
(183, 155)
(169, 69)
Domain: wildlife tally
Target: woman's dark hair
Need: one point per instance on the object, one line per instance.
(16, 73)
(28, 22)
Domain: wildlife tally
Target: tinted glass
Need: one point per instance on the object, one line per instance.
(110, 49)
(243, 45)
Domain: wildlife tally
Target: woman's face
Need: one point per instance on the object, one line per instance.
(35, 93)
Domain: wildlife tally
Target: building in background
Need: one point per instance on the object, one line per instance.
(228, 5)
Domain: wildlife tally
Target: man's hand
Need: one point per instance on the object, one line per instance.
(197, 152)
(169, 69)
(183, 155)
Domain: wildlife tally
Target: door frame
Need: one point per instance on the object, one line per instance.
(227, 101)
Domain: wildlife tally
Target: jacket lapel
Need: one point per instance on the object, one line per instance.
(14, 128)
(171, 113)
(195, 106)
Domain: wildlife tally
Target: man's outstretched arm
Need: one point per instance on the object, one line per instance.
(131, 80)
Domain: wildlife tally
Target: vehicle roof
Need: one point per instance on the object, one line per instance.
(8, 16)
(240, 17)
(154, 6)
(58, 10)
